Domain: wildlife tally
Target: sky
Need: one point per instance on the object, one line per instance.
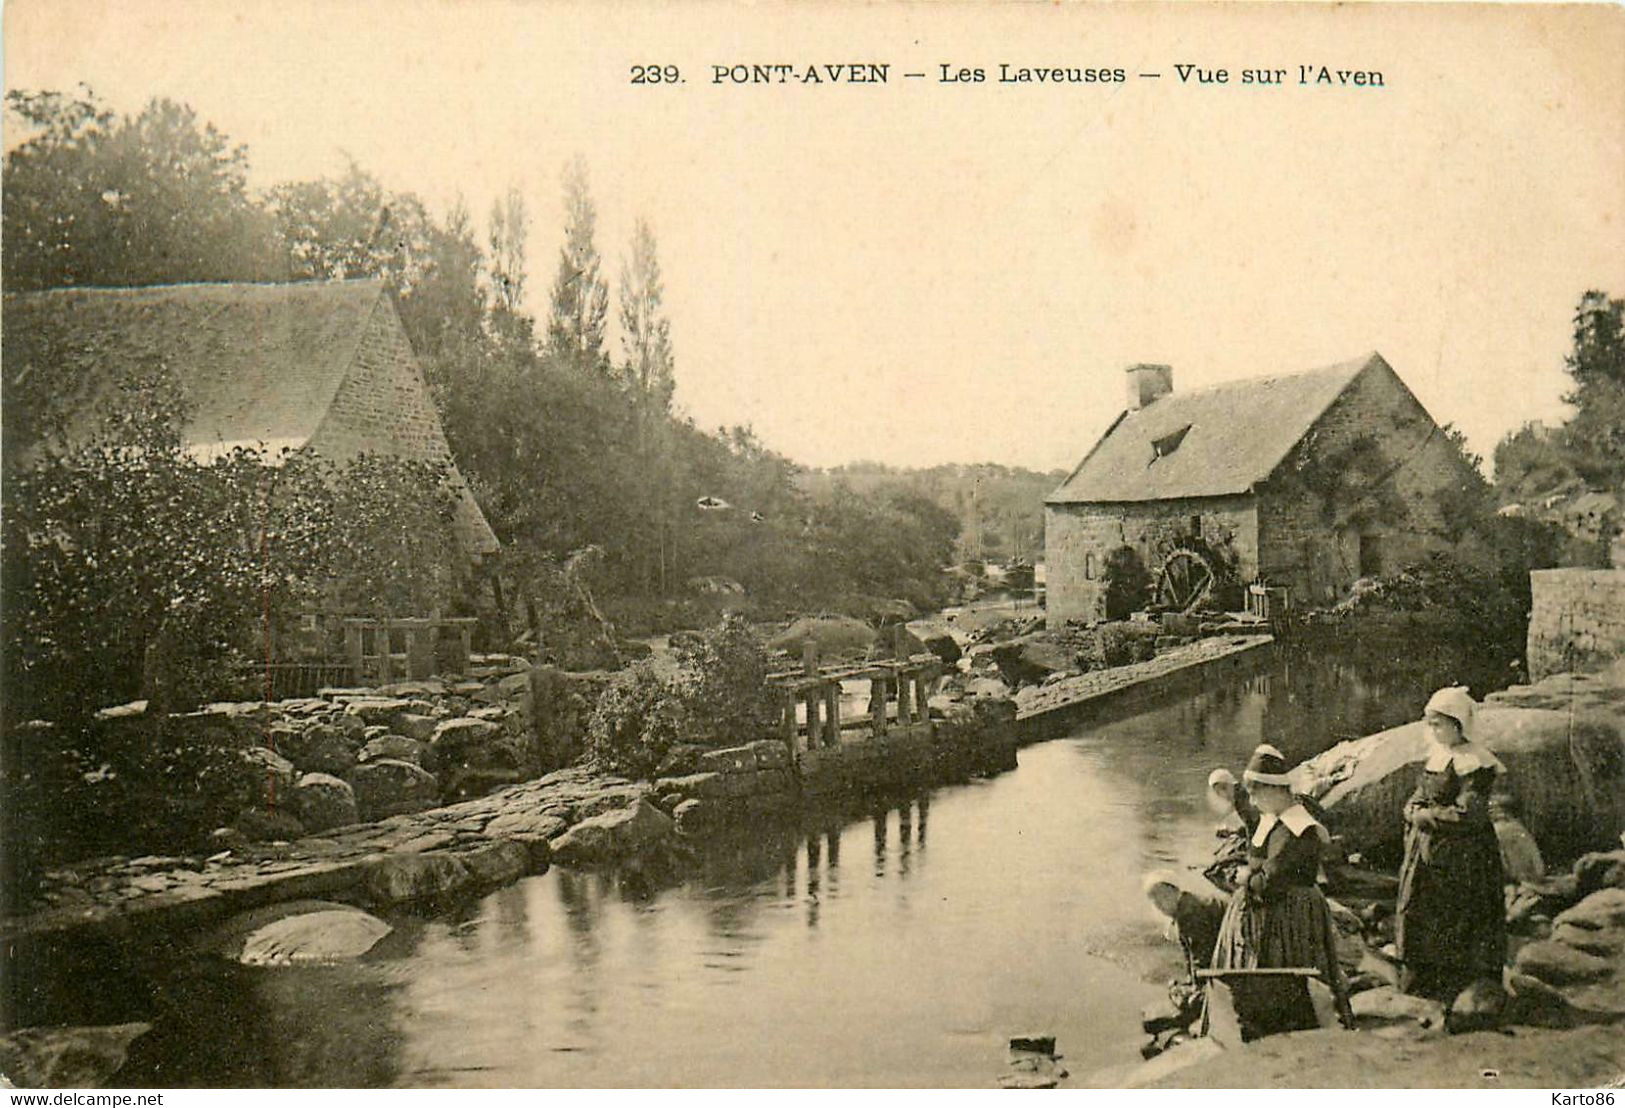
(919, 272)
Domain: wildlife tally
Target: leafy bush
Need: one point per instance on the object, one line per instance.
(717, 695)
(638, 719)
(1118, 644)
(723, 685)
(1128, 584)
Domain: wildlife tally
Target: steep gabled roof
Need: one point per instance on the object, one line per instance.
(257, 362)
(1216, 441)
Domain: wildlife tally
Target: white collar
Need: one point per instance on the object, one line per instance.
(1464, 759)
(1296, 819)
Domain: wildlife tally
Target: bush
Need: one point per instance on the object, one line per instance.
(724, 686)
(639, 718)
(1118, 644)
(1128, 583)
(717, 695)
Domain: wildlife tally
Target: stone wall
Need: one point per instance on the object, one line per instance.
(1577, 623)
(1314, 548)
(1078, 537)
(382, 406)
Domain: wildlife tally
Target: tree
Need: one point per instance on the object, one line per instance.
(1596, 434)
(94, 199)
(647, 364)
(575, 328)
(510, 231)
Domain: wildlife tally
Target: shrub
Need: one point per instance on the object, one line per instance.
(638, 719)
(723, 685)
(1128, 584)
(1118, 644)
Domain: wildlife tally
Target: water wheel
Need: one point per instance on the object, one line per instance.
(1184, 581)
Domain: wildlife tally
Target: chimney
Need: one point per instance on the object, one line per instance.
(1148, 383)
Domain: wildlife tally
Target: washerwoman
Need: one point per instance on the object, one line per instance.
(1451, 928)
(1278, 917)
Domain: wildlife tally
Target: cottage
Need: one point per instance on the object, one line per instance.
(1304, 481)
(324, 366)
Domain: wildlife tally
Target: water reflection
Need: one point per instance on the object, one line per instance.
(774, 964)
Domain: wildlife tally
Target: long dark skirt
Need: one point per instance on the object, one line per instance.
(1294, 929)
(1451, 926)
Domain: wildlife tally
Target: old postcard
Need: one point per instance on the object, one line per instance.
(812, 545)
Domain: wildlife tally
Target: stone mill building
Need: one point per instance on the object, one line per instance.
(1304, 481)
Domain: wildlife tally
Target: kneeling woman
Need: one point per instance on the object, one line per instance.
(1277, 917)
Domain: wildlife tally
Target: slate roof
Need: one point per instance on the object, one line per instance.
(1225, 438)
(258, 362)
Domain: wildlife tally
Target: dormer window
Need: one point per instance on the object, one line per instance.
(1161, 448)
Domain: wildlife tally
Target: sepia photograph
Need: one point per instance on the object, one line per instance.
(812, 545)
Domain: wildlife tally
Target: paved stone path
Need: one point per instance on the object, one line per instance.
(487, 841)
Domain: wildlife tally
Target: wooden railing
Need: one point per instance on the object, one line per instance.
(426, 647)
(899, 691)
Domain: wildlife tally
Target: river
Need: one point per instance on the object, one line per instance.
(901, 945)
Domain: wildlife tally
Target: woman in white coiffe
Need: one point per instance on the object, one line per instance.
(1451, 927)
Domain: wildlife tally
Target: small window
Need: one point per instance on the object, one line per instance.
(1161, 448)
(1088, 567)
(1196, 527)
(1370, 556)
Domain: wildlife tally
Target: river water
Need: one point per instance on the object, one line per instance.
(898, 945)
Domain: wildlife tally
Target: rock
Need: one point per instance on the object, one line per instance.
(987, 688)
(1520, 856)
(1386, 1005)
(532, 830)
(404, 878)
(1031, 1070)
(695, 817)
(269, 776)
(377, 711)
(67, 1057)
(1600, 871)
(265, 826)
(321, 801)
(834, 636)
(1533, 1003)
(499, 863)
(1031, 658)
(1604, 908)
(399, 747)
(639, 830)
(415, 726)
(1566, 769)
(1560, 964)
(943, 646)
(299, 932)
(473, 744)
(1478, 1007)
(318, 748)
(388, 787)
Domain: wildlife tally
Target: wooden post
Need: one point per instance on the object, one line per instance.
(787, 722)
(809, 657)
(832, 714)
(352, 649)
(899, 643)
(877, 705)
(903, 712)
(813, 700)
(386, 648)
(922, 695)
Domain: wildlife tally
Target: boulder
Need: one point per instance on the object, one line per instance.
(268, 775)
(1031, 658)
(1559, 964)
(389, 787)
(404, 878)
(532, 830)
(317, 748)
(640, 830)
(1520, 855)
(1600, 871)
(265, 825)
(298, 932)
(1478, 1007)
(467, 743)
(322, 801)
(376, 711)
(67, 1057)
(1386, 1005)
(415, 726)
(500, 863)
(1566, 770)
(834, 636)
(1584, 960)
(944, 646)
(399, 747)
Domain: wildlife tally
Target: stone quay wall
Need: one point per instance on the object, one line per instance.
(1577, 622)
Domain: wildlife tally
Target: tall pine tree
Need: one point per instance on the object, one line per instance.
(575, 326)
(646, 371)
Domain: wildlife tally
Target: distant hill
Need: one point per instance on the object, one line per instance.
(1000, 508)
